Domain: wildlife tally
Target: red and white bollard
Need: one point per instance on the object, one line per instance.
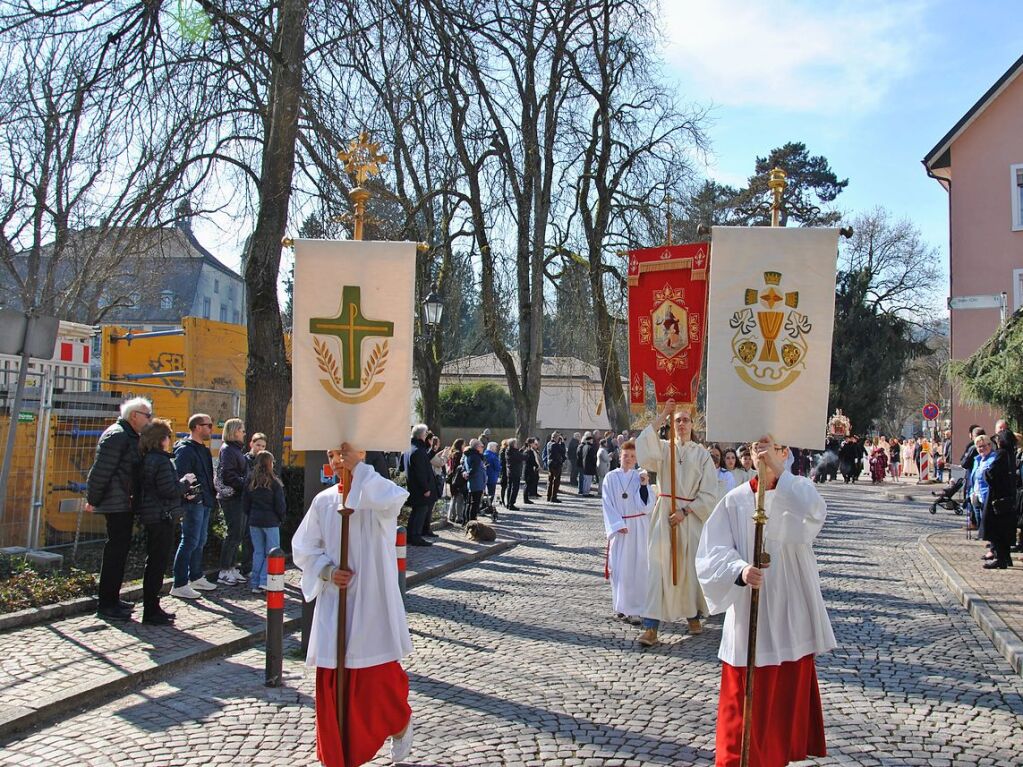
(274, 618)
(401, 551)
(925, 465)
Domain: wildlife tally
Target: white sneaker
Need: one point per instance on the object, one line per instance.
(228, 578)
(238, 576)
(185, 592)
(202, 584)
(402, 747)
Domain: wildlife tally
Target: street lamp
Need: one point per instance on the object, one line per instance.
(433, 308)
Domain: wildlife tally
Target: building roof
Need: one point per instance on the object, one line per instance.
(941, 156)
(488, 366)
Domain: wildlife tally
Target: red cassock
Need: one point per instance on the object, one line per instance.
(788, 723)
(376, 708)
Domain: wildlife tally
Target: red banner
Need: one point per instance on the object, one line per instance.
(667, 321)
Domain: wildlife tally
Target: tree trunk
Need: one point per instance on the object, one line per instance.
(268, 375)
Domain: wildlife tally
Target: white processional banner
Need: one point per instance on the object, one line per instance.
(769, 329)
(352, 344)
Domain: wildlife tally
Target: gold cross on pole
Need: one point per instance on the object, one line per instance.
(362, 159)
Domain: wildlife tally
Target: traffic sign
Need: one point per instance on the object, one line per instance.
(931, 411)
(992, 301)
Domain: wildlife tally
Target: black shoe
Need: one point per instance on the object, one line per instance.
(994, 564)
(419, 542)
(430, 535)
(528, 501)
(129, 606)
(555, 500)
(513, 508)
(114, 613)
(157, 619)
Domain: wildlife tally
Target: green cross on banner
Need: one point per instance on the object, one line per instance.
(351, 328)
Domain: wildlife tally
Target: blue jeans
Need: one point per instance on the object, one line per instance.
(651, 623)
(264, 540)
(188, 559)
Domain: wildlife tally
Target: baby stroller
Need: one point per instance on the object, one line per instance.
(946, 498)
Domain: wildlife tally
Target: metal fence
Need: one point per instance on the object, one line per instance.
(59, 423)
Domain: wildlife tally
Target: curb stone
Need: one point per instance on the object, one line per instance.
(1003, 638)
(19, 719)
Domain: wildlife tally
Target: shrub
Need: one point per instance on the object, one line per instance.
(477, 405)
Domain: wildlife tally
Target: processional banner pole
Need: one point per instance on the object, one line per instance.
(362, 159)
(776, 183)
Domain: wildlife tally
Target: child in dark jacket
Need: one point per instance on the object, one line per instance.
(263, 503)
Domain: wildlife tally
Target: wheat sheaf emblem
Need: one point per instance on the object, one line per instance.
(370, 387)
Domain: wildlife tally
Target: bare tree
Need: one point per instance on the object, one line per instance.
(903, 269)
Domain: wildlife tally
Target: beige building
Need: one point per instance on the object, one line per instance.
(979, 162)
(571, 391)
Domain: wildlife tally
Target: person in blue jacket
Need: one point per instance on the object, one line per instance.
(476, 475)
(493, 462)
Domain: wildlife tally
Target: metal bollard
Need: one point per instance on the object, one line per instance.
(401, 552)
(274, 618)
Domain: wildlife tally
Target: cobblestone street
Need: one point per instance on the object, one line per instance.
(518, 661)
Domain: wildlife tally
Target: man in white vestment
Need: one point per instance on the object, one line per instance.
(627, 501)
(696, 488)
(377, 635)
(793, 624)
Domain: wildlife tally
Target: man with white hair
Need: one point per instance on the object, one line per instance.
(111, 485)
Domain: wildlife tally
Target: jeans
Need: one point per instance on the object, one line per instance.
(553, 483)
(188, 559)
(159, 538)
(237, 524)
(264, 540)
(418, 522)
(475, 497)
(585, 482)
(115, 555)
(491, 489)
(651, 623)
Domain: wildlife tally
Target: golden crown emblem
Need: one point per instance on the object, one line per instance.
(772, 278)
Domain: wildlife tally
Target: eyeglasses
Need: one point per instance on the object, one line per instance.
(144, 413)
(208, 423)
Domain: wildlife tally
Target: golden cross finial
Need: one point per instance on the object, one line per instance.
(362, 158)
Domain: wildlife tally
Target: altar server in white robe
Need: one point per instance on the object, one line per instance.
(793, 625)
(377, 635)
(696, 493)
(627, 500)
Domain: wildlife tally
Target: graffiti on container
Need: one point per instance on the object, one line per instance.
(166, 362)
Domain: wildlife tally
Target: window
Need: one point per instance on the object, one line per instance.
(230, 291)
(223, 312)
(216, 286)
(1017, 289)
(206, 307)
(1017, 198)
(167, 299)
(235, 318)
(135, 298)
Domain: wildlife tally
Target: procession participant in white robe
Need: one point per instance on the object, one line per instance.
(793, 624)
(627, 500)
(377, 634)
(696, 487)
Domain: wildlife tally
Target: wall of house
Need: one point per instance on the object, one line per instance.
(225, 294)
(985, 250)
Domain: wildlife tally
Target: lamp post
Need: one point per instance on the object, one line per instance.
(433, 310)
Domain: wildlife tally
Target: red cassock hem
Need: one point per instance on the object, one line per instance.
(377, 708)
(788, 722)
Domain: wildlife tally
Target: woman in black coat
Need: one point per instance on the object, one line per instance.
(159, 506)
(999, 514)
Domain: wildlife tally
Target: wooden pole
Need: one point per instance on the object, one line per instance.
(759, 519)
(672, 529)
(776, 183)
(342, 611)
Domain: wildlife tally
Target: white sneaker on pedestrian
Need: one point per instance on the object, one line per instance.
(226, 577)
(202, 584)
(238, 576)
(401, 747)
(185, 592)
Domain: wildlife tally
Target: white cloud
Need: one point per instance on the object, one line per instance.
(800, 55)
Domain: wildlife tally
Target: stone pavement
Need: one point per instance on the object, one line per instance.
(518, 662)
(48, 667)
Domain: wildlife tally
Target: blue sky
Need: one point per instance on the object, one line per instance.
(870, 85)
